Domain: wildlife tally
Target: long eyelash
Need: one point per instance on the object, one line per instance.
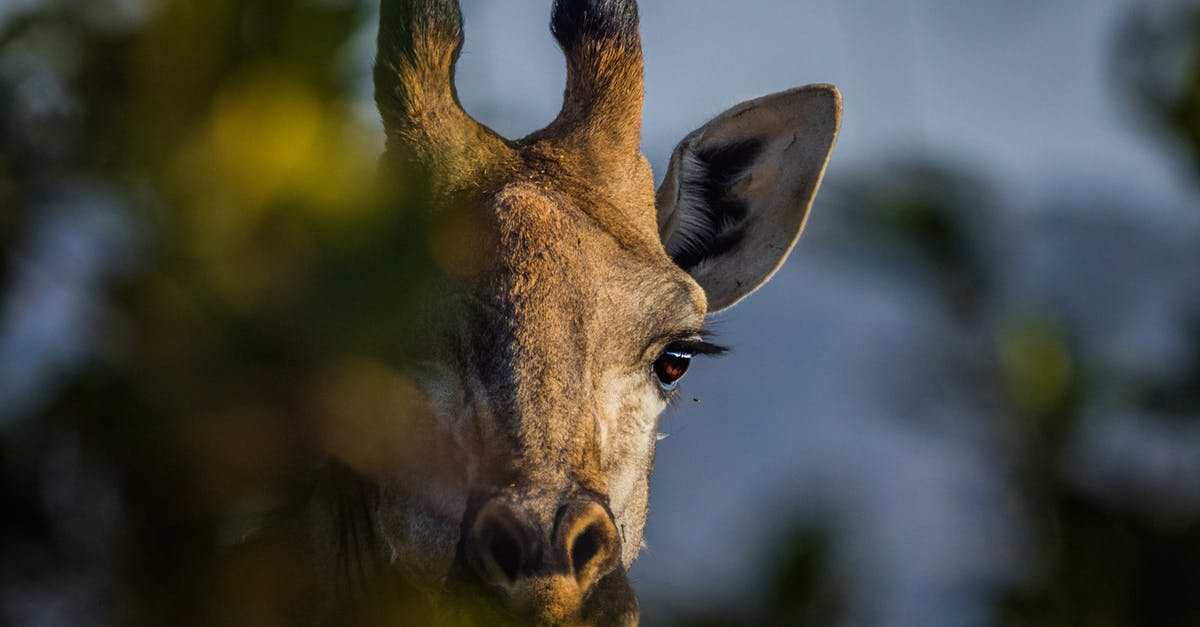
(693, 347)
(696, 342)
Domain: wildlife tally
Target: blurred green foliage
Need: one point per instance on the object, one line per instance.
(1108, 562)
(1157, 62)
(277, 284)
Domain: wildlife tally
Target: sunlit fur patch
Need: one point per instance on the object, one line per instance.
(629, 411)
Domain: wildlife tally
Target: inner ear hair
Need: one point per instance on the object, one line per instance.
(710, 216)
(738, 190)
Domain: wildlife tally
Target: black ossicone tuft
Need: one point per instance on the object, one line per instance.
(595, 20)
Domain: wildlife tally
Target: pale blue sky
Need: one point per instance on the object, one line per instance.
(1019, 89)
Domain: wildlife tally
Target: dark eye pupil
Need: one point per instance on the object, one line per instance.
(671, 366)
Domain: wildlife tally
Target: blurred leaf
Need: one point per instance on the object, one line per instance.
(1157, 62)
(1038, 369)
(937, 213)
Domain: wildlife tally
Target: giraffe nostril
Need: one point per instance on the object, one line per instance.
(590, 539)
(586, 546)
(506, 553)
(502, 542)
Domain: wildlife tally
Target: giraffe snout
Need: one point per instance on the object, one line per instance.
(547, 571)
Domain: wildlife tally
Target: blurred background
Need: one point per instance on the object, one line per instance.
(971, 397)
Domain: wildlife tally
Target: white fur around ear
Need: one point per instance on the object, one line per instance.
(738, 190)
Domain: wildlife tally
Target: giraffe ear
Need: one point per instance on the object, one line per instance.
(738, 190)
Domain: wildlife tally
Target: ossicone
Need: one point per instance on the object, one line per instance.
(419, 44)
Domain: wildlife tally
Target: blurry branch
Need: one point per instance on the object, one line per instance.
(1157, 67)
(939, 214)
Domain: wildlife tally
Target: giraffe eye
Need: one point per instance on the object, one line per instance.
(670, 367)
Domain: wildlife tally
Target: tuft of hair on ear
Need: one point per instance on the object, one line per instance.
(710, 216)
(580, 21)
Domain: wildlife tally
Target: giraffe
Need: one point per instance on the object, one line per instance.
(530, 483)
